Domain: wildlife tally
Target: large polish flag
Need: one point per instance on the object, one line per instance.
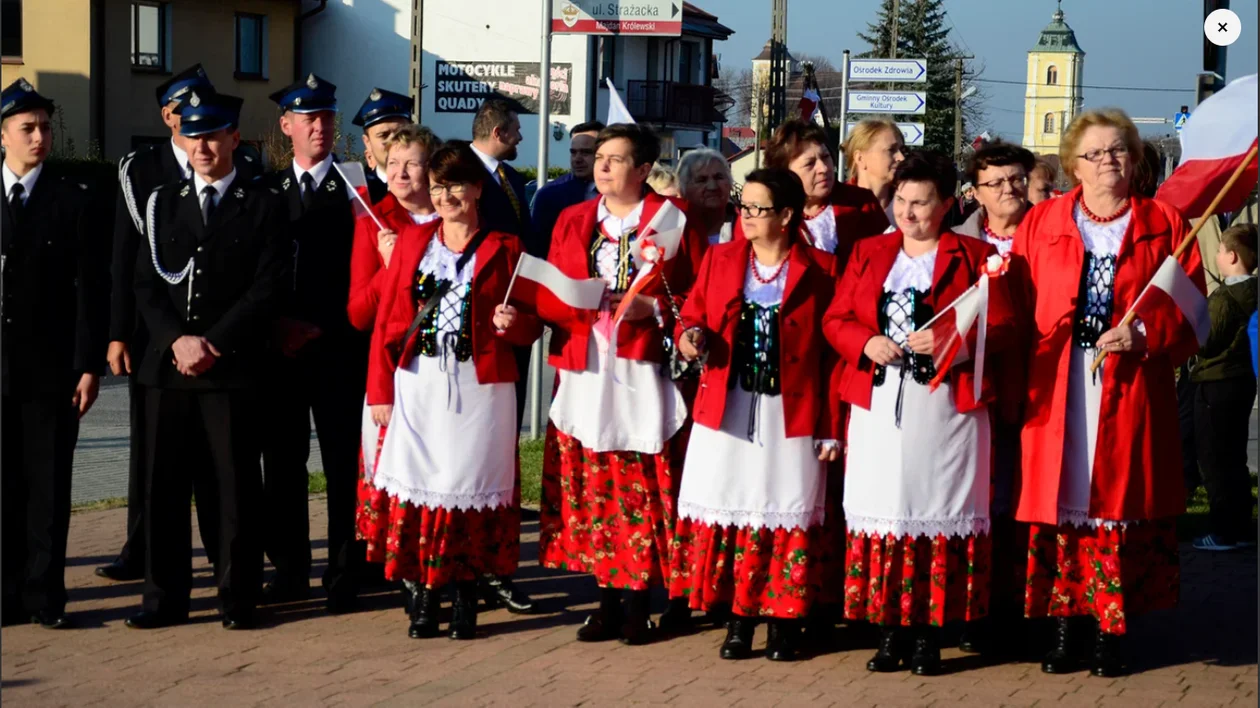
(542, 288)
(1214, 142)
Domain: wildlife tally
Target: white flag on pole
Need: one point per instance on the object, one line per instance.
(617, 112)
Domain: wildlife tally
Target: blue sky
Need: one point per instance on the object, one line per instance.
(1135, 43)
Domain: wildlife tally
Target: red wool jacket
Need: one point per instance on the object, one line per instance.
(638, 340)
(1137, 463)
(805, 360)
(492, 352)
(853, 318)
(367, 271)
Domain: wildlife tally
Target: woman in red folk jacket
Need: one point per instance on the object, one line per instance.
(403, 212)
(916, 487)
(445, 388)
(751, 502)
(1101, 474)
(608, 475)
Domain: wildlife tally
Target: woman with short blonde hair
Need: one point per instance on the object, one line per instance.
(663, 181)
(872, 150)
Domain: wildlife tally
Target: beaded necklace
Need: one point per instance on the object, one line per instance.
(1101, 219)
(756, 274)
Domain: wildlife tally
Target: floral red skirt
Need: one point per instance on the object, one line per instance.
(610, 514)
(1109, 574)
(758, 572)
(436, 546)
(907, 581)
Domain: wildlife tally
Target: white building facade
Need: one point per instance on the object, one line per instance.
(477, 49)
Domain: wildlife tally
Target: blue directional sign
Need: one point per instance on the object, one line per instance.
(911, 132)
(900, 102)
(899, 70)
(1179, 121)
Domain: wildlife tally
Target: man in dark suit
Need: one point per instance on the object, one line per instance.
(207, 283)
(54, 286)
(139, 173)
(380, 115)
(320, 363)
(502, 207)
(573, 188)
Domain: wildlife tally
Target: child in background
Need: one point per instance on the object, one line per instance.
(1226, 390)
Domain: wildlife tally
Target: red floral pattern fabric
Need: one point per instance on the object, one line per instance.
(610, 514)
(436, 546)
(907, 581)
(1110, 574)
(758, 572)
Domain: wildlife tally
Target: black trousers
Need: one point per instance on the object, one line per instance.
(522, 382)
(328, 383)
(39, 435)
(1185, 421)
(1222, 413)
(133, 551)
(227, 423)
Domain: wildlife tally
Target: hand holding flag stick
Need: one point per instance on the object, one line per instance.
(1185, 243)
(970, 308)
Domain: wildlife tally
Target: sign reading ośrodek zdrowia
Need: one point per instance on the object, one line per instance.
(462, 86)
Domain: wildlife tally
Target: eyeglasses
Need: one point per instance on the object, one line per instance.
(1096, 156)
(1017, 183)
(455, 190)
(754, 211)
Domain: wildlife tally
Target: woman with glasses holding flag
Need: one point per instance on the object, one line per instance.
(916, 487)
(441, 377)
(1101, 479)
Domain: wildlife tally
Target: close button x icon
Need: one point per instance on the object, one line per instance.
(1220, 27)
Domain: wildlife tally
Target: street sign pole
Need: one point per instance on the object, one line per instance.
(544, 145)
(844, 111)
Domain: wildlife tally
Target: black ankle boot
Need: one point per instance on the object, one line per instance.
(605, 624)
(424, 614)
(926, 659)
(739, 636)
(782, 638)
(888, 658)
(677, 617)
(1108, 658)
(464, 611)
(1062, 659)
(638, 628)
(975, 637)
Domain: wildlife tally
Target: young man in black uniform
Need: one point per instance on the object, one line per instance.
(320, 363)
(380, 115)
(208, 280)
(54, 306)
(139, 173)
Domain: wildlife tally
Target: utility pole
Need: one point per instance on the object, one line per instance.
(778, 64)
(417, 56)
(1212, 78)
(896, 7)
(958, 99)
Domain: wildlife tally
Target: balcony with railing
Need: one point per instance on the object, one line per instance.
(672, 103)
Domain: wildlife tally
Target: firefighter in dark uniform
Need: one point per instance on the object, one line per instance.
(209, 277)
(319, 367)
(380, 115)
(54, 306)
(139, 173)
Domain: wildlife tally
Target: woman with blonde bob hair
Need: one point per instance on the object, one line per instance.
(1101, 473)
(872, 150)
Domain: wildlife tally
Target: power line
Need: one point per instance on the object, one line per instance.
(1098, 88)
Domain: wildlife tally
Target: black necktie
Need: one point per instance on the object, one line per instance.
(15, 201)
(308, 191)
(207, 203)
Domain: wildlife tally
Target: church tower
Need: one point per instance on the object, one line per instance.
(1053, 86)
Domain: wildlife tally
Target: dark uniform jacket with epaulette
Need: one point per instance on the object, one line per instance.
(377, 189)
(237, 268)
(55, 288)
(139, 173)
(323, 239)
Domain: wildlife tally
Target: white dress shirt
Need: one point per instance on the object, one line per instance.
(220, 187)
(492, 164)
(27, 181)
(318, 171)
(181, 157)
(380, 174)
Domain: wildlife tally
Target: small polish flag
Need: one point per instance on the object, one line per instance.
(962, 328)
(1214, 143)
(1172, 283)
(540, 287)
(809, 105)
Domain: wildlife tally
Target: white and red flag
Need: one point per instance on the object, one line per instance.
(959, 332)
(1171, 287)
(809, 105)
(542, 288)
(1216, 139)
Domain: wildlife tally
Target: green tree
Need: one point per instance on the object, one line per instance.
(923, 32)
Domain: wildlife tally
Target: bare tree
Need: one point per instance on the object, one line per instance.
(739, 86)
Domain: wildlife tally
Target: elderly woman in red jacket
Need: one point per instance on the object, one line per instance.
(916, 487)
(750, 506)
(441, 376)
(1101, 472)
(608, 475)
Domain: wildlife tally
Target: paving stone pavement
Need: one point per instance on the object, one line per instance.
(1202, 654)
